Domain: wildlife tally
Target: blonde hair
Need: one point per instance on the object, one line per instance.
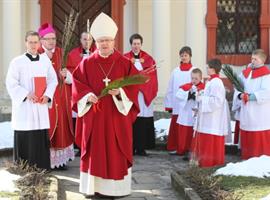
(197, 71)
(260, 53)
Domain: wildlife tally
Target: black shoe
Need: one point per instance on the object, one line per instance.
(141, 153)
(186, 156)
(78, 154)
(173, 152)
(64, 167)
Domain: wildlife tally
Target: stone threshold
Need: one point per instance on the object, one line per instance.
(53, 189)
(182, 187)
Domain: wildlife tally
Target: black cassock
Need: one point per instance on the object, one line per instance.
(32, 146)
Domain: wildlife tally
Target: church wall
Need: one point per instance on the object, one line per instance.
(25, 16)
(130, 22)
(1, 51)
(178, 33)
(145, 24)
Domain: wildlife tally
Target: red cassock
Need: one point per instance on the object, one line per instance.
(172, 135)
(204, 146)
(75, 56)
(104, 134)
(61, 128)
(149, 89)
(236, 132)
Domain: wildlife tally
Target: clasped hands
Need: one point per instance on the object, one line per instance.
(245, 97)
(94, 99)
(33, 98)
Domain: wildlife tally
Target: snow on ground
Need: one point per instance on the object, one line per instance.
(7, 183)
(266, 198)
(256, 167)
(6, 135)
(162, 128)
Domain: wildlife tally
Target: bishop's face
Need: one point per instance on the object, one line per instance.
(49, 41)
(136, 45)
(32, 44)
(105, 45)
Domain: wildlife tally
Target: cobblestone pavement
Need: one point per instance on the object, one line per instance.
(150, 178)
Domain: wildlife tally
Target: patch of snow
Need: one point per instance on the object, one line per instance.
(266, 198)
(7, 184)
(256, 167)
(6, 135)
(162, 128)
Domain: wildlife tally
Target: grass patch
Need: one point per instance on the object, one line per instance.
(250, 187)
(213, 187)
(11, 195)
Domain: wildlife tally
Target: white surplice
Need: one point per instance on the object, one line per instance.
(178, 78)
(255, 115)
(145, 111)
(213, 116)
(20, 82)
(186, 115)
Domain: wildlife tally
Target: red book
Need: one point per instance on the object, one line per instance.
(40, 86)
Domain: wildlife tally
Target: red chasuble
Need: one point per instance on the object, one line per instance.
(149, 89)
(75, 56)
(104, 134)
(61, 128)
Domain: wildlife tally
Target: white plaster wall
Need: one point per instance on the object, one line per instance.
(130, 21)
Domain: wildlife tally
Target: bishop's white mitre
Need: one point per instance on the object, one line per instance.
(103, 26)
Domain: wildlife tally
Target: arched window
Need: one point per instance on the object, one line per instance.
(237, 27)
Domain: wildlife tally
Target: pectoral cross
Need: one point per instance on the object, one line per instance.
(106, 80)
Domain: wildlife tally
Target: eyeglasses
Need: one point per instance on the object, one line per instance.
(48, 39)
(105, 40)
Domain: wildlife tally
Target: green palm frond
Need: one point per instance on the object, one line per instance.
(233, 78)
(123, 82)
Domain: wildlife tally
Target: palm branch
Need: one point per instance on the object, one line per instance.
(68, 34)
(233, 78)
(123, 82)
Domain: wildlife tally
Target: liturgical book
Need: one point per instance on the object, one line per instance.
(40, 86)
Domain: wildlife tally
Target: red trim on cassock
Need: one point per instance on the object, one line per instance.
(172, 136)
(168, 109)
(105, 136)
(184, 139)
(185, 66)
(150, 88)
(254, 143)
(188, 86)
(208, 149)
(61, 124)
(236, 132)
(257, 72)
(213, 76)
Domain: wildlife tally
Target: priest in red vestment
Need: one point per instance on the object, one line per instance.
(74, 57)
(143, 128)
(104, 126)
(61, 128)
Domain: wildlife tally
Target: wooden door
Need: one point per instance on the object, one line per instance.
(88, 9)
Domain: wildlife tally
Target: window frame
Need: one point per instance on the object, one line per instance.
(211, 21)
